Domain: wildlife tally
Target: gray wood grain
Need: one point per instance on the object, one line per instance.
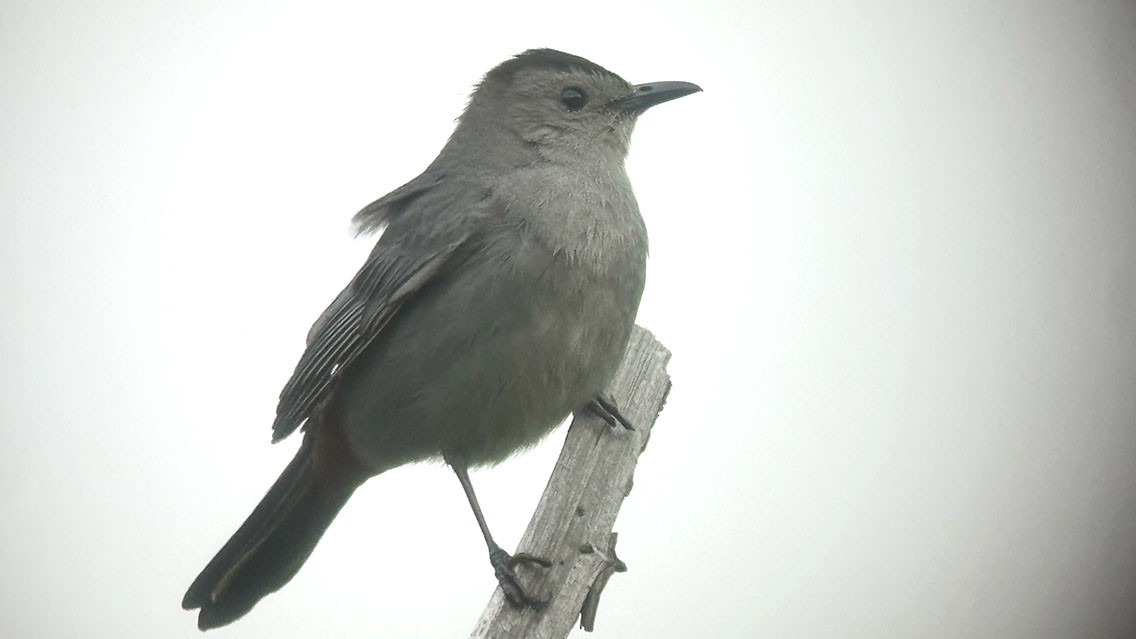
(572, 525)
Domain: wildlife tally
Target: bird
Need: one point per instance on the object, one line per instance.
(499, 299)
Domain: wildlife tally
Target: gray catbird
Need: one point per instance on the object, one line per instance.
(500, 298)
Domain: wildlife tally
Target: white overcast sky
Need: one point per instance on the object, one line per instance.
(893, 252)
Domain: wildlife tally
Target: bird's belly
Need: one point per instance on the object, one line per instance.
(482, 366)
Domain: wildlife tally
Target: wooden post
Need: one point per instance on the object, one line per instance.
(572, 525)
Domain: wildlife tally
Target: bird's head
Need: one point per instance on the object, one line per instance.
(560, 106)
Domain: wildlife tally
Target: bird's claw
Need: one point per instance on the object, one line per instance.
(604, 406)
(503, 568)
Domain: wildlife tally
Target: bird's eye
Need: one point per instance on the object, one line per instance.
(573, 98)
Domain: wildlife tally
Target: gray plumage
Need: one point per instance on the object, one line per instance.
(499, 298)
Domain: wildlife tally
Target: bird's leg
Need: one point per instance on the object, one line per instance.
(503, 563)
(604, 406)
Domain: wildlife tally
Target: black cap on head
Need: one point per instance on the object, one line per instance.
(549, 59)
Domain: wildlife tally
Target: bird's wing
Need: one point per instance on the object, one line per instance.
(415, 249)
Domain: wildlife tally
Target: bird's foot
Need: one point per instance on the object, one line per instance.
(604, 406)
(503, 568)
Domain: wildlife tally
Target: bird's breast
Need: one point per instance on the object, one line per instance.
(528, 327)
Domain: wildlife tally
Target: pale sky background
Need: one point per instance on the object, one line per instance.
(893, 252)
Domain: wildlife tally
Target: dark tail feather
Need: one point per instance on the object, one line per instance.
(273, 543)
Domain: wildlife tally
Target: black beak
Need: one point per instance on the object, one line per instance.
(645, 96)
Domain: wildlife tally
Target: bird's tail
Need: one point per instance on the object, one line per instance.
(276, 539)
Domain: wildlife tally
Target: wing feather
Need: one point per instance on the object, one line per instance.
(405, 260)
